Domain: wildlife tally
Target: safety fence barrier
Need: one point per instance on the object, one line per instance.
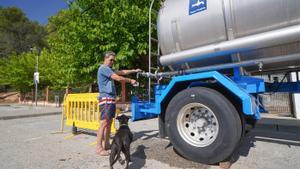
(82, 111)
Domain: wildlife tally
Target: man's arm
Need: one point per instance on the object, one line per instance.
(127, 72)
(118, 78)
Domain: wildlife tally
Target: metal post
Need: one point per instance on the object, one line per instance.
(47, 94)
(149, 54)
(123, 92)
(236, 73)
(291, 100)
(37, 70)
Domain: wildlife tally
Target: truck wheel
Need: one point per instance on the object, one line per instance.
(203, 125)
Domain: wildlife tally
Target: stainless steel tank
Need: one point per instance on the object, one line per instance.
(197, 33)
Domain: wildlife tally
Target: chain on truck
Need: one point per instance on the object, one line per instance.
(212, 50)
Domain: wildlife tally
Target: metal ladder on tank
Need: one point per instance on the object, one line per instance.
(150, 45)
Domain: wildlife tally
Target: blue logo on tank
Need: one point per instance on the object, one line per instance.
(197, 6)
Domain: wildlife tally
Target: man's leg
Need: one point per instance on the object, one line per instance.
(100, 137)
(111, 115)
(106, 143)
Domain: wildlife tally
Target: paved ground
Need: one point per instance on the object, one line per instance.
(13, 111)
(29, 143)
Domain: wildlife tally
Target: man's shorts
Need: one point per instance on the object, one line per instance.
(107, 109)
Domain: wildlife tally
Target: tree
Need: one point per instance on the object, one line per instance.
(89, 28)
(19, 70)
(18, 34)
(77, 38)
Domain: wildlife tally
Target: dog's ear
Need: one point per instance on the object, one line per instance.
(118, 117)
(128, 117)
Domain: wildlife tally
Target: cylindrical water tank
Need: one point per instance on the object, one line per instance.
(197, 33)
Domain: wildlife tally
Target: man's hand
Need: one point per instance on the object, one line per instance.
(133, 82)
(127, 72)
(137, 70)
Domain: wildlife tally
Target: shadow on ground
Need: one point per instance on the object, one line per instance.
(138, 157)
(147, 145)
(248, 142)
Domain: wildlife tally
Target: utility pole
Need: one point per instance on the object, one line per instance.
(36, 75)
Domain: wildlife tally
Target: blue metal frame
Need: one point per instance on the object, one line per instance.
(290, 87)
(250, 84)
(136, 110)
(242, 87)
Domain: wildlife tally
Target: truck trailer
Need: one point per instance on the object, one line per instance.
(206, 89)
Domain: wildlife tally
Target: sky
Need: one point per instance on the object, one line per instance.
(37, 10)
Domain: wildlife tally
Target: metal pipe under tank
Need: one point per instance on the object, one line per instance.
(257, 41)
(257, 62)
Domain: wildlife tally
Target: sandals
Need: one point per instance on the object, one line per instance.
(103, 152)
(107, 147)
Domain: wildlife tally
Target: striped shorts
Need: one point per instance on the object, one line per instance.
(107, 108)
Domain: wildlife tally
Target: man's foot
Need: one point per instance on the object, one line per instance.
(107, 147)
(102, 152)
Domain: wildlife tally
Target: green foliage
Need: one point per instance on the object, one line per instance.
(90, 27)
(19, 72)
(18, 38)
(77, 38)
(17, 33)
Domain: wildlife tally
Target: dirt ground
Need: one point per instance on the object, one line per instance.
(9, 97)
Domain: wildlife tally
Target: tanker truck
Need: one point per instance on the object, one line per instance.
(206, 89)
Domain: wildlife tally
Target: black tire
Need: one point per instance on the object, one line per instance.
(229, 125)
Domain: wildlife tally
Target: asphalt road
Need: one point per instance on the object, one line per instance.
(30, 143)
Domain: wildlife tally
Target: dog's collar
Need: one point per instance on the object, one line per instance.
(123, 125)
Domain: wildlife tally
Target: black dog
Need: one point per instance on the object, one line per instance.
(121, 142)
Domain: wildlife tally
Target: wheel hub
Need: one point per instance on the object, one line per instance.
(201, 122)
(197, 124)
